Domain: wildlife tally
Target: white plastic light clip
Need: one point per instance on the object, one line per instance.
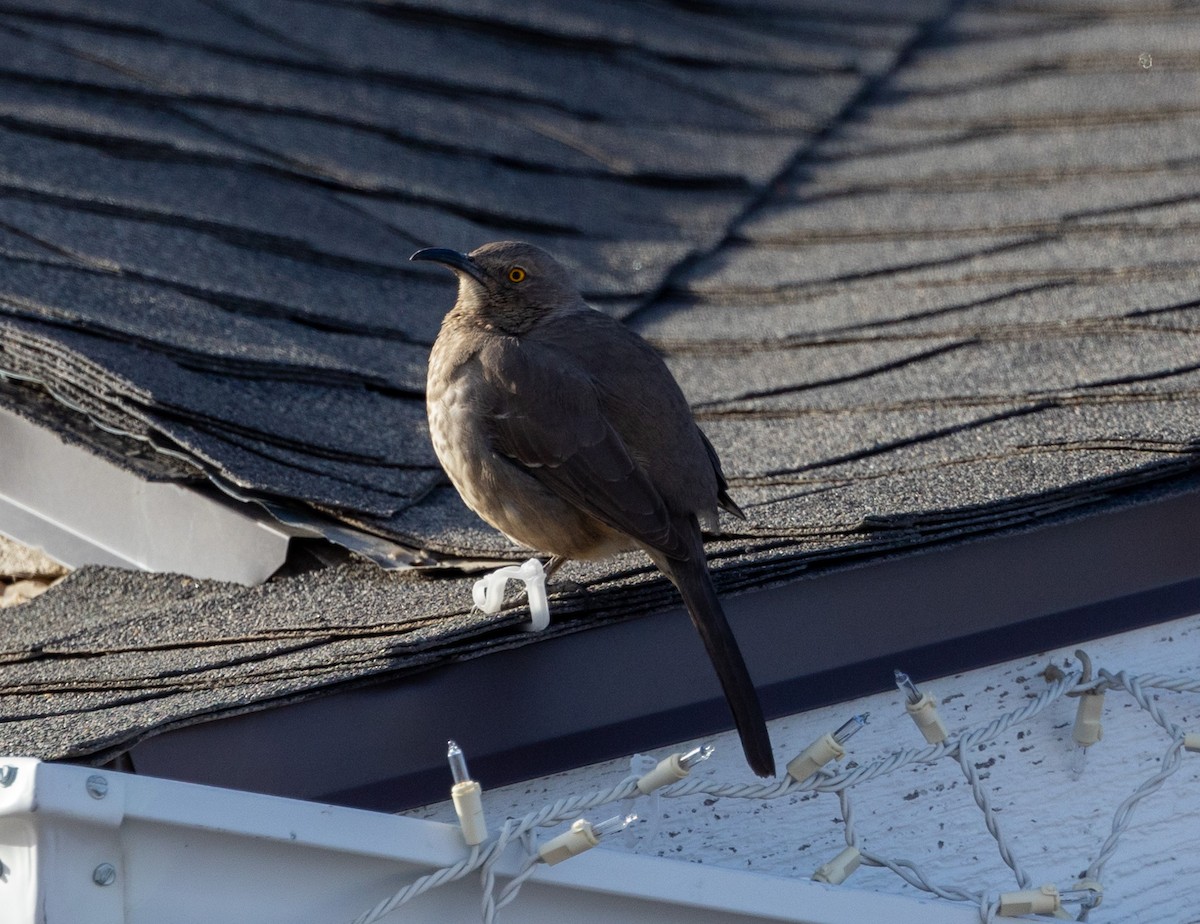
(488, 591)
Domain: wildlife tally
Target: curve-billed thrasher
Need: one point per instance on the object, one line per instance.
(566, 431)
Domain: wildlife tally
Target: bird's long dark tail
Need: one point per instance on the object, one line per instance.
(696, 587)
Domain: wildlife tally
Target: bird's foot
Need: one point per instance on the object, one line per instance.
(563, 588)
(560, 587)
(556, 589)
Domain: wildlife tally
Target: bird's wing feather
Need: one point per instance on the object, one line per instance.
(548, 419)
(723, 498)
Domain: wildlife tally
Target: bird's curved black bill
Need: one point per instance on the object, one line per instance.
(459, 262)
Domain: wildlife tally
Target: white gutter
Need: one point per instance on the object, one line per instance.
(82, 510)
(81, 846)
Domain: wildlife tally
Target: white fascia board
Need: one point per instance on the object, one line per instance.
(81, 510)
(124, 849)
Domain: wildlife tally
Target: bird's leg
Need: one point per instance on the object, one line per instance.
(551, 565)
(560, 587)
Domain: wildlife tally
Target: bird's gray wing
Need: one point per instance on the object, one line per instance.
(547, 418)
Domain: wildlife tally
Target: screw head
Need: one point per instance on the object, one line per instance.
(8, 775)
(104, 875)
(97, 786)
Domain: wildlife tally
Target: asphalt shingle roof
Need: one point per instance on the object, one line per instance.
(924, 271)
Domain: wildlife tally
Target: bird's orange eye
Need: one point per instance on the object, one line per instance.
(516, 274)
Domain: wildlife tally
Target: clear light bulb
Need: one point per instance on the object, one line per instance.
(843, 734)
(612, 825)
(906, 686)
(458, 763)
(695, 756)
(1081, 895)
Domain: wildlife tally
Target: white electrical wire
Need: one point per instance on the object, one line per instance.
(424, 884)
(520, 831)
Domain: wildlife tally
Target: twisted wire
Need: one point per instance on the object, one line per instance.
(841, 782)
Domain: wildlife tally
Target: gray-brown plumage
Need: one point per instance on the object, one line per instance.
(564, 430)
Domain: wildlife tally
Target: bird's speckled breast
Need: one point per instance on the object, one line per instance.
(497, 490)
(455, 422)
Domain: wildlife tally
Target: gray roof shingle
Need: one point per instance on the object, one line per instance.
(924, 271)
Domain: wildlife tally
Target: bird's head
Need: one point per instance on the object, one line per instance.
(506, 285)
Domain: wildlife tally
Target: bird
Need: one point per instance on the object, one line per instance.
(565, 430)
